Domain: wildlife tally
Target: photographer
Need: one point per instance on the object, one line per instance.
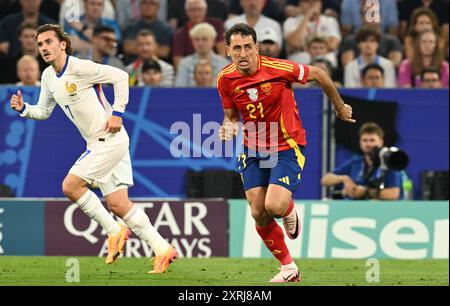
(362, 177)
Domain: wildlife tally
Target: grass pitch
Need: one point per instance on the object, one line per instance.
(44, 271)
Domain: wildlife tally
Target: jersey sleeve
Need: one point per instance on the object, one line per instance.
(44, 108)
(94, 73)
(222, 88)
(301, 73)
(292, 71)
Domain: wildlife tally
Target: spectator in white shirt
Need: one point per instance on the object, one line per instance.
(253, 17)
(368, 40)
(298, 30)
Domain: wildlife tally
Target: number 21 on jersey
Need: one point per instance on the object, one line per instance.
(252, 108)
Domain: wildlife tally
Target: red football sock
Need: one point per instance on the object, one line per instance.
(291, 206)
(273, 238)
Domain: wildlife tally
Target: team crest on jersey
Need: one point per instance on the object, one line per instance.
(266, 87)
(71, 89)
(237, 90)
(252, 94)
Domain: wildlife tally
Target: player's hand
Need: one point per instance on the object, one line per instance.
(228, 130)
(114, 124)
(345, 113)
(17, 102)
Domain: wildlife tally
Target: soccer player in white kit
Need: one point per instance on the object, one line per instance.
(74, 84)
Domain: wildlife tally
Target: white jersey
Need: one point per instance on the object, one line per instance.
(78, 91)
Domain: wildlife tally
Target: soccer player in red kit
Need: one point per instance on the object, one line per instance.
(259, 89)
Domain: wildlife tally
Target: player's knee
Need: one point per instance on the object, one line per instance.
(258, 214)
(67, 188)
(274, 208)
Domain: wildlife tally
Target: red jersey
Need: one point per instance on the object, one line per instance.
(263, 98)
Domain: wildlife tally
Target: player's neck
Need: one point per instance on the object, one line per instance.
(59, 63)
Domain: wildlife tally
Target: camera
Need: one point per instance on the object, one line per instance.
(389, 158)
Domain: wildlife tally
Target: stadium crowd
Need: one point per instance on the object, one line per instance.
(180, 43)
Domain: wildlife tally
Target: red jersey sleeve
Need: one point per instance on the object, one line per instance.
(222, 87)
(300, 73)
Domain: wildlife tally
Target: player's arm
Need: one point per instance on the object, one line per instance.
(104, 74)
(41, 111)
(343, 111)
(230, 124)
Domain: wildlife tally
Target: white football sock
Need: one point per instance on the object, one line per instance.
(91, 205)
(139, 223)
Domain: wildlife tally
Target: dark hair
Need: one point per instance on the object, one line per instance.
(371, 128)
(422, 11)
(322, 60)
(365, 32)
(370, 67)
(240, 28)
(26, 25)
(145, 32)
(59, 31)
(151, 65)
(429, 70)
(99, 29)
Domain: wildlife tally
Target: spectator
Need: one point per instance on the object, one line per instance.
(271, 9)
(298, 30)
(358, 175)
(71, 10)
(316, 46)
(104, 47)
(81, 31)
(203, 36)
(182, 43)
(9, 42)
(147, 46)
(203, 74)
(128, 11)
(149, 20)
(28, 71)
(325, 65)
(268, 43)
(353, 13)
(422, 19)
(389, 47)
(426, 54)
(330, 8)
(254, 18)
(373, 76)
(177, 12)
(26, 34)
(151, 74)
(368, 40)
(431, 78)
(439, 7)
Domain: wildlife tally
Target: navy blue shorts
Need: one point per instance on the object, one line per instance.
(282, 168)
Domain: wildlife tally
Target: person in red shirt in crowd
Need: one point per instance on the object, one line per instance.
(259, 88)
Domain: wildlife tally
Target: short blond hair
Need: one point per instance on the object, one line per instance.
(203, 29)
(26, 58)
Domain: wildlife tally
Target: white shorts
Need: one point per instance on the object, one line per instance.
(107, 163)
